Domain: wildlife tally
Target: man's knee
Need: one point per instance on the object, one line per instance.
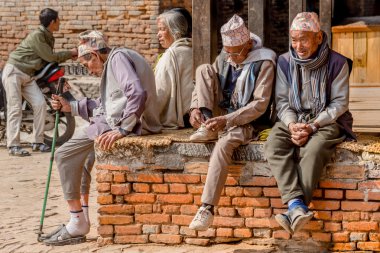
(205, 70)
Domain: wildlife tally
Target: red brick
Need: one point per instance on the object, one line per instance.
(102, 177)
(147, 208)
(375, 237)
(346, 171)
(119, 177)
(140, 198)
(226, 211)
(182, 178)
(135, 229)
(171, 209)
(365, 216)
(317, 193)
(234, 191)
(321, 237)
(358, 236)
(333, 194)
(170, 229)
(354, 194)
(360, 226)
(197, 200)
(224, 201)
(255, 202)
(195, 189)
(262, 213)
(116, 209)
(103, 187)
(253, 191)
(152, 218)
(165, 238)
(281, 234)
(112, 167)
(184, 220)
(301, 235)
(115, 219)
(245, 211)
(156, 208)
(369, 246)
(224, 232)
(271, 192)
(376, 216)
(123, 239)
(228, 222)
(337, 216)
(178, 188)
(261, 223)
(189, 209)
(120, 189)
(231, 181)
(210, 232)
(322, 215)
(344, 246)
(277, 210)
(242, 232)
(104, 241)
(160, 188)
(360, 206)
(105, 230)
(366, 185)
(259, 181)
(314, 225)
(139, 187)
(332, 227)
(105, 199)
(341, 237)
(325, 205)
(196, 167)
(197, 241)
(145, 178)
(185, 230)
(335, 184)
(175, 198)
(351, 216)
(151, 229)
(277, 203)
(373, 195)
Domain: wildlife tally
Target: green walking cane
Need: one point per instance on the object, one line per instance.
(61, 83)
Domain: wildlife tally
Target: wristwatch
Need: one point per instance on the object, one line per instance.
(313, 127)
(123, 131)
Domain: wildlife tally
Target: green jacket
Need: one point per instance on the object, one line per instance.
(35, 51)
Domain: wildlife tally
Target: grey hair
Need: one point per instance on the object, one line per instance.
(176, 23)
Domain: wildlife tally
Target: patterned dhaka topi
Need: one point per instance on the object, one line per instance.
(306, 21)
(234, 32)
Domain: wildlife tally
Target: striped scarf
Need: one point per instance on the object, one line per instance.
(318, 78)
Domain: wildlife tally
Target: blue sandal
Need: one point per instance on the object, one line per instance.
(17, 151)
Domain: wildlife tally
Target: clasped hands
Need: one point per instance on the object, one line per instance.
(214, 124)
(300, 133)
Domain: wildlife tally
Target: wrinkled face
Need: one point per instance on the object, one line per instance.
(239, 53)
(93, 63)
(163, 35)
(305, 44)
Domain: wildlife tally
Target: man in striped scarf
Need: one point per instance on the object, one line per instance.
(312, 106)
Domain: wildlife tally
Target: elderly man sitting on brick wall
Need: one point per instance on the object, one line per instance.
(126, 107)
(232, 97)
(312, 104)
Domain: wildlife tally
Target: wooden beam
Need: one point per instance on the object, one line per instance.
(325, 7)
(204, 34)
(256, 17)
(295, 7)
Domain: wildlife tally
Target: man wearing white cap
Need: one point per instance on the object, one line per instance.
(312, 105)
(126, 107)
(231, 97)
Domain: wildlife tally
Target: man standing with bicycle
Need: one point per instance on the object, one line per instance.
(35, 51)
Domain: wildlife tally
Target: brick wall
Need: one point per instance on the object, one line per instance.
(151, 195)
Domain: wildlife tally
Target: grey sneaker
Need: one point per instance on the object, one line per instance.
(204, 135)
(284, 220)
(17, 151)
(299, 217)
(40, 147)
(203, 219)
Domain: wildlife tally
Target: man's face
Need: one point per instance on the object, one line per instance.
(238, 54)
(305, 44)
(93, 63)
(54, 25)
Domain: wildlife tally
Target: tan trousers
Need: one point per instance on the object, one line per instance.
(75, 159)
(209, 95)
(17, 85)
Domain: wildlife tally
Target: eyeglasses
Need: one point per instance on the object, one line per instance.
(234, 55)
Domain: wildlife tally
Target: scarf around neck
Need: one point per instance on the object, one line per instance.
(318, 79)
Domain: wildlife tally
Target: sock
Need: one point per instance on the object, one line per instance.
(293, 203)
(206, 112)
(211, 209)
(77, 225)
(86, 215)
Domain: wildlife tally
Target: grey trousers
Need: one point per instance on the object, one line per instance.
(75, 160)
(298, 169)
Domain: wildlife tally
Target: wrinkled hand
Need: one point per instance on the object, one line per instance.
(216, 124)
(300, 133)
(59, 103)
(66, 87)
(196, 118)
(107, 139)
